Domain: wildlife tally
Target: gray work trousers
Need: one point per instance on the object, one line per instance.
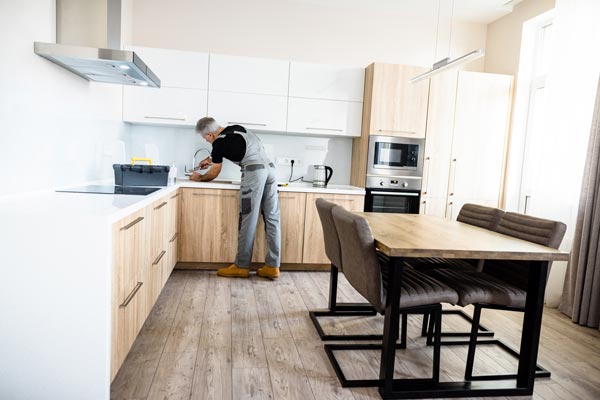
(258, 193)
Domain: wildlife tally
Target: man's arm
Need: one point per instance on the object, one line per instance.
(212, 173)
(205, 163)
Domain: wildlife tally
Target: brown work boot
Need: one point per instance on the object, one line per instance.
(268, 272)
(233, 271)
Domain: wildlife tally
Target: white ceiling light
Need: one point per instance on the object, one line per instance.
(447, 63)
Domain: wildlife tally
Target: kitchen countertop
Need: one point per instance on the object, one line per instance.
(116, 207)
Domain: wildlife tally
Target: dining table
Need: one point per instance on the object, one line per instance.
(403, 236)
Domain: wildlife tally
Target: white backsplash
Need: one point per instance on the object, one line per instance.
(179, 144)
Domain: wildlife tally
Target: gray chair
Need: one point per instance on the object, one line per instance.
(333, 252)
(502, 284)
(367, 273)
(472, 214)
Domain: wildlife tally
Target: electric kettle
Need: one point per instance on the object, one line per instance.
(322, 175)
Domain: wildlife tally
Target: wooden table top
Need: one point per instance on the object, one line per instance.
(412, 235)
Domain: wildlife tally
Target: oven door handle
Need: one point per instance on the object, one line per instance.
(396, 194)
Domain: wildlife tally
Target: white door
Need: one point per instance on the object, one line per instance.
(253, 111)
(324, 117)
(328, 82)
(480, 129)
(176, 68)
(164, 106)
(249, 75)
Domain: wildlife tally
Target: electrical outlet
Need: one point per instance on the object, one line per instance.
(288, 161)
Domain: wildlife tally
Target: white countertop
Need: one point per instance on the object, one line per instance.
(116, 207)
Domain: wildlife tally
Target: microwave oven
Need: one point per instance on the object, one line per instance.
(395, 156)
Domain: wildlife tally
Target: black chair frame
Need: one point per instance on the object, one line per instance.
(434, 310)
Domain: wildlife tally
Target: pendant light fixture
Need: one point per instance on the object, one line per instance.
(447, 63)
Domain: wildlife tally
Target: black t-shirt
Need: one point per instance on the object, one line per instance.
(229, 145)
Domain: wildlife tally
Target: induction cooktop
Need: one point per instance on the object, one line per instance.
(106, 189)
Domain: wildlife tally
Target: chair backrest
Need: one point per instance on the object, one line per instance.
(537, 230)
(481, 216)
(359, 256)
(330, 235)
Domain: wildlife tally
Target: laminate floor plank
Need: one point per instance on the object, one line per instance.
(216, 338)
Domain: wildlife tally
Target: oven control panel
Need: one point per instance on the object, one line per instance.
(394, 182)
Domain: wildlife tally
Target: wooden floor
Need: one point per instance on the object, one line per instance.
(218, 338)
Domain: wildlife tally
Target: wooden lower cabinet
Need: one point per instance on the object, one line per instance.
(314, 249)
(129, 284)
(292, 210)
(209, 225)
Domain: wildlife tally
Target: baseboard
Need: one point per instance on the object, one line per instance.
(284, 267)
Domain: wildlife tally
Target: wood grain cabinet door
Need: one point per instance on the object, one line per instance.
(209, 225)
(128, 280)
(396, 106)
(314, 248)
(292, 211)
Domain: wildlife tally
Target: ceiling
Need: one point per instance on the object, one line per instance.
(475, 11)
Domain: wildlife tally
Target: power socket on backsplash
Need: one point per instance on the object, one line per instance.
(288, 161)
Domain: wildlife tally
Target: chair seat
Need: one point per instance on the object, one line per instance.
(425, 264)
(419, 289)
(480, 288)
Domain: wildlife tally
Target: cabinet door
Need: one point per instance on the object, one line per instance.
(292, 211)
(209, 225)
(128, 291)
(176, 68)
(164, 106)
(440, 126)
(173, 232)
(249, 75)
(314, 248)
(324, 117)
(327, 82)
(434, 206)
(480, 132)
(258, 112)
(397, 107)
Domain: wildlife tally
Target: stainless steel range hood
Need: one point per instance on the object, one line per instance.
(110, 65)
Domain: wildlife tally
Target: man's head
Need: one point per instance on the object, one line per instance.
(208, 128)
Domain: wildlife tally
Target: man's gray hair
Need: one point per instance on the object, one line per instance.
(207, 125)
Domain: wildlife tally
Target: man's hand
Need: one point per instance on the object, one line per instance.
(196, 177)
(204, 164)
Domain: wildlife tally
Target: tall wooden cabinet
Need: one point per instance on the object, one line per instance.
(393, 106)
(466, 141)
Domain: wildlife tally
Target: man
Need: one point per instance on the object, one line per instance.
(258, 192)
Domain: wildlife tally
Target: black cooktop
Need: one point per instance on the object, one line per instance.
(106, 189)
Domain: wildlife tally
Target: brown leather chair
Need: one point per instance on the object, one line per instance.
(367, 273)
(333, 252)
(472, 214)
(502, 284)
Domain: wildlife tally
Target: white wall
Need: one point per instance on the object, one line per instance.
(335, 31)
(179, 144)
(55, 128)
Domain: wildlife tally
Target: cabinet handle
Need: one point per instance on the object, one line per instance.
(131, 295)
(160, 256)
(424, 206)
(174, 237)
(161, 205)
(245, 123)
(325, 129)
(166, 118)
(453, 175)
(391, 130)
(426, 175)
(176, 195)
(129, 225)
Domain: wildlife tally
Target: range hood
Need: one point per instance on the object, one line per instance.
(109, 65)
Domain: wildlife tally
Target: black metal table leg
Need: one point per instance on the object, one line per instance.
(391, 327)
(532, 324)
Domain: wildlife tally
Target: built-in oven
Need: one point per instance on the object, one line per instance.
(395, 156)
(399, 195)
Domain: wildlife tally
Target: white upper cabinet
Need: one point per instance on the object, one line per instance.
(248, 75)
(175, 68)
(164, 106)
(253, 111)
(328, 82)
(324, 117)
